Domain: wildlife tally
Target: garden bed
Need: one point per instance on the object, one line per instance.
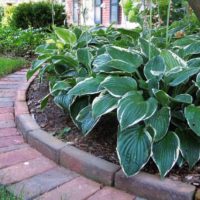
(101, 142)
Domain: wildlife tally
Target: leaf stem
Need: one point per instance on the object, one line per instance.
(167, 27)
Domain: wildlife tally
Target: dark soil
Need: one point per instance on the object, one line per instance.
(101, 142)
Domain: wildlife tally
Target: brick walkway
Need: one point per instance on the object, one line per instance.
(27, 173)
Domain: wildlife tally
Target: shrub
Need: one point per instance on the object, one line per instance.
(153, 92)
(37, 15)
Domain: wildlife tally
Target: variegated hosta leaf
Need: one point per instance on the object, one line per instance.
(103, 104)
(166, 152)
(191, 49)
(86, 120)
(65, 35)
(85, 57)
(160, 122)
(162, 97)
(128, 57)
(155, 68)
(100, 63)
(192, 115)
(189, 146)
(132, 109)
(87, 86)
(172, 60)
(195, 62)
(145, 48)
(118, 86)
(60, 85)
(183, 98)
(64, 100)
(134, 147)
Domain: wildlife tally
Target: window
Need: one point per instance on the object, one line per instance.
(75, 11)
(114, 11)
(97, 11)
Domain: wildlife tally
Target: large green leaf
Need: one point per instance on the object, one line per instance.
(60, 85)
(134, 149)
(132, 109)
(133, 59)
(189, 146)
(162, 97)
(172, 60)
(118, 86)
(87, 86)
(166, 152)
(183, 75)
(160, 121)
(155, 67)
(65, 35)
(191, 49)
(145, 48)
(85, 57)
(183, 98)
(103, 104)
(195, 62)
(86, 120)
(192, 115)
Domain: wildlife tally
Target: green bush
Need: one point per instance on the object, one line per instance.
(37, 15)
(152, 91)
(18, 42)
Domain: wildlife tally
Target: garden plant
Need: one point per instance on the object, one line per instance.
(148, 78)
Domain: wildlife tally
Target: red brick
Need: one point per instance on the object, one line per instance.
(4, 104)
(8, 86)
(17, 156)
(4, 132)
(108, 193)
(7, 124)
(7, 93)
(11, 140)
(21, 95)
(13, 79)
(7, 110)
(78, 189)
(7, 116)
(25, 170)
(13, 147)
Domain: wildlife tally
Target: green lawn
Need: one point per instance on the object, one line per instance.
(9, 65)
(5, 195)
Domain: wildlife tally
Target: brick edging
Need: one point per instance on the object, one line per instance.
(143, 185)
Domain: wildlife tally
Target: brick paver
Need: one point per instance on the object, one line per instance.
(29, 173)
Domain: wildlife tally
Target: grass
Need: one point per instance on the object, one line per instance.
(9, 65)
(5, 195)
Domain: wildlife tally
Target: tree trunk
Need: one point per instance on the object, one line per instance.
(195, 5)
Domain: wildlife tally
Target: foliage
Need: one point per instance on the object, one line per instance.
(36, 15)
(1, 13)
(19, 42)
(7, 15)
(9, 65)
(154, 96)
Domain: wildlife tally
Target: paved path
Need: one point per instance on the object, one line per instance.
(29, 174)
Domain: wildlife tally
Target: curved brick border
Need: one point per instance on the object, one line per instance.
(143, 184)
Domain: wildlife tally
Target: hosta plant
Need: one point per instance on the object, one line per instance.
(155, 97)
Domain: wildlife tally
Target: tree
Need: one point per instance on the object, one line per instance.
(195, 5)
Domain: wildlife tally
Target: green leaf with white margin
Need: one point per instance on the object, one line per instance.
(155, 67)
(86, 120)
(191, 49)
(189, 146)
(65, 35)
(44, 101)
(160, 121)
(195, 62)
(183, 75)
(166, 153)
(103, 104)
(60, 85)
(145, 48)
(64, 100)
(183, 98)
(161, 96)
(132, 109)
(134, 147)
(126, 56)
(192, 115)
(172, 60)
(87, 86)
(85, 57)
(118, 86)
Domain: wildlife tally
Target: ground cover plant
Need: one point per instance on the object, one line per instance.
(5, 195)
(148, 80)
(9, 65)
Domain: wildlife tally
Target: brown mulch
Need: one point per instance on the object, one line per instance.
(101, 142)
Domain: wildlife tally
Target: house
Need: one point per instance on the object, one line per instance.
(90, 12)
